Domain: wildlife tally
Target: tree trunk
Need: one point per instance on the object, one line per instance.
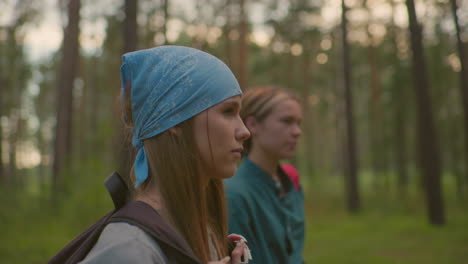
(42, 170)
(353, 200)
(10, 100)
(68, 69)
(428, 144)
(130, 44)
(166, 19)
(18, 151)
(227, 41)
(94, 97)
(289, 62)
(399, 115)
(2, 103)
(12, 146)
(463, 81)
(243, 47)
(42, 144)
(400, 120)
(130, 26)
(375, 125)
(377, 129)
(308, 120)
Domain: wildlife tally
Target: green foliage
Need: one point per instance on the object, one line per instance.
(34, 228)
(392, 229)
(389, 231)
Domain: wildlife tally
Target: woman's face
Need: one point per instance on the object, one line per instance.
(277, 135)
(219, 133)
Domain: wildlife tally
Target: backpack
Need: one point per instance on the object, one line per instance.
(137, 213)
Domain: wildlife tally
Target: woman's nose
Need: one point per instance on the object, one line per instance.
(297, 131)
(242, 132)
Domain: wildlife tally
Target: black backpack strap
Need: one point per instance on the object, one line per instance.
(78, 249)
(136, 213)
(117, 189)
(149, 220)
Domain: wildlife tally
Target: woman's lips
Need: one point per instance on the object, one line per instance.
(237, 152)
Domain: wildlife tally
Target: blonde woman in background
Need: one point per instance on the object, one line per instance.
(263, 202)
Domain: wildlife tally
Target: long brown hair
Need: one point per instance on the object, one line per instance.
(195, 207)
(259, 101)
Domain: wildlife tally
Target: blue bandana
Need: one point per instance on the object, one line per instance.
(170, 84)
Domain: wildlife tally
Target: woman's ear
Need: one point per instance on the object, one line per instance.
(176, 131)
(251, 124)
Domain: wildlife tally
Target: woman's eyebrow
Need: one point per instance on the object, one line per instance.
(231, 103)
(290, 116)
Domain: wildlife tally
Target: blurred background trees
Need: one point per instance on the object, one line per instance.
(384, 90)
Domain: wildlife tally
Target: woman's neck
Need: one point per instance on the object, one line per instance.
(265, 161)
(152, 198)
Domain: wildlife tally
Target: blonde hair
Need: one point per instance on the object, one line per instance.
(194, 207)
(259, 101)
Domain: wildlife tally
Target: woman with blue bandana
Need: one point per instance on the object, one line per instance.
(271, 205)
(182, 106)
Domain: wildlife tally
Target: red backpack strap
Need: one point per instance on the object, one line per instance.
(293, 175)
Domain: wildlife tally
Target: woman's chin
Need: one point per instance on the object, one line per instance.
(288, 155)
(225, 174)
(228, 175)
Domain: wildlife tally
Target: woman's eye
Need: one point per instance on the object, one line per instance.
(229, 111)
(287, 121)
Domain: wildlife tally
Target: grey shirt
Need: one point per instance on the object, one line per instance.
(121, 243)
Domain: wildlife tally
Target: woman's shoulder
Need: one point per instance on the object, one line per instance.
(125, 243)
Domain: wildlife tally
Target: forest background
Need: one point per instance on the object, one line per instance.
(384, 153)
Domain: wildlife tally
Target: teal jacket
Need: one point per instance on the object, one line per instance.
(273, 226)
